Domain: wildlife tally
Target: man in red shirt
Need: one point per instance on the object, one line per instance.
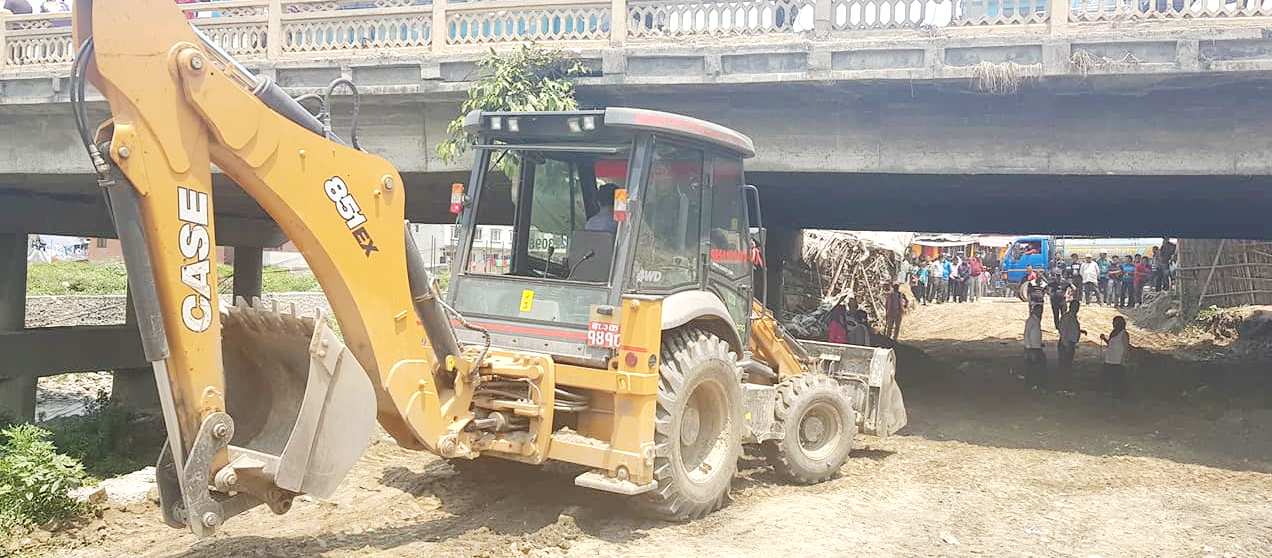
(976, 283)
(1143, 270)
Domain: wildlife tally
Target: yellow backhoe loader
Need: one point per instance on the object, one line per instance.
(613, 326)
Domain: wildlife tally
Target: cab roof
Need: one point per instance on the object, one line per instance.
(569, 126)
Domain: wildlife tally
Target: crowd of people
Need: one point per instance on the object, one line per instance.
(945, 278)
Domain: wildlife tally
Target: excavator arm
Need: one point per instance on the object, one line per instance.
(260, 405)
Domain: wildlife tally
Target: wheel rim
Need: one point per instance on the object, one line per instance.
(820, 430)
(704, 428)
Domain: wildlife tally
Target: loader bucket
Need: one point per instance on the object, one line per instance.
(871, 372)
(296, 395)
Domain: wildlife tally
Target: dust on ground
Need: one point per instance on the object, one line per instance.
(984, 468)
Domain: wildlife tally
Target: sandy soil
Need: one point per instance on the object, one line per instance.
(985, 468)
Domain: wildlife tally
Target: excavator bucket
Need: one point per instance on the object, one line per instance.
(872, 372)
(302, 406)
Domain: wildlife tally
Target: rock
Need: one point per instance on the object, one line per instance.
(133, 488)
(91, 495)
(949, 538)
(153, 495)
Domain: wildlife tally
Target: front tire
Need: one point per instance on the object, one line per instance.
(698, 426)
(815, 414)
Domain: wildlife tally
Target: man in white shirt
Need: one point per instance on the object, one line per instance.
(1091, 280)
(1035, 359)
(1119, 343)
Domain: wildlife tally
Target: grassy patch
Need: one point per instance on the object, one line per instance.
(104, 278)
(67, 278)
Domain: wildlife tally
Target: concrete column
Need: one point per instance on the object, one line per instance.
(134, 388)
(438, 41)
(781, 247)
(248, 269)
(17, 395)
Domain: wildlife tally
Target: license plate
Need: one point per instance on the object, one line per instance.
(602, 334)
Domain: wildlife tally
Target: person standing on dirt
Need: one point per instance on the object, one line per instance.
(1161, 271)
(958, 279)
(1070, 333)
(894, 306)
(1073, 269)
(977, 280)
(1128, 283)
(1060, 292)
(1102, 279)
(1118, 345)
(1115, 281)
(1090, 280)
(1143, 270)
(1035, 359)
(920, 280)
(940, 278)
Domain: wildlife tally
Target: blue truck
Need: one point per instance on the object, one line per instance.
(1025, 252)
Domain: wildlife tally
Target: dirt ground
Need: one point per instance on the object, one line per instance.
(985, 468)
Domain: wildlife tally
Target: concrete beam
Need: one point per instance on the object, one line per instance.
(77, 215)
(17, 390)
(50, 351)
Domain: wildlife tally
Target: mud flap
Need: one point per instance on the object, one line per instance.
(301, 402)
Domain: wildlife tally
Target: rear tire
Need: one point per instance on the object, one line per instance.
(698, 426)
(815, 414)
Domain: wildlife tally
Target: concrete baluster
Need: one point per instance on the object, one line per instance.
(822, 18)
(1058, 16)
(4, 46)
(618, 22)
(440, 36)
(274, 30)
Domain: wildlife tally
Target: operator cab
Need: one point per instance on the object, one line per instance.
(566, 212)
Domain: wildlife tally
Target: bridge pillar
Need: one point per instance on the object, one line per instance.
(782, 247)
(17, 394)
(134, 388)
(248, 272)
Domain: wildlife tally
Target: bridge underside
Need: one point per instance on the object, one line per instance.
(1188, 206)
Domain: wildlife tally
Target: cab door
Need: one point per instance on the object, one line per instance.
(729, 252)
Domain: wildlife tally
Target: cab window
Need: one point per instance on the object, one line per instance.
(668, 241)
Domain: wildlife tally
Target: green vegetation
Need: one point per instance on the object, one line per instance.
(98, 278)
(35, 479)
(63, 278)
(105, 439)
(527, 79)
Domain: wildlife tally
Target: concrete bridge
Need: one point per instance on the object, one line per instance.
(1110, 117)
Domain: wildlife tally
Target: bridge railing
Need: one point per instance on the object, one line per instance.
(296, 30)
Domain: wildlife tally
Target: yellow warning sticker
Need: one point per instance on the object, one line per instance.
(527, 300)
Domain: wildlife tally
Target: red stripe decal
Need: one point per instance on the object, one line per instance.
(530, 330)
